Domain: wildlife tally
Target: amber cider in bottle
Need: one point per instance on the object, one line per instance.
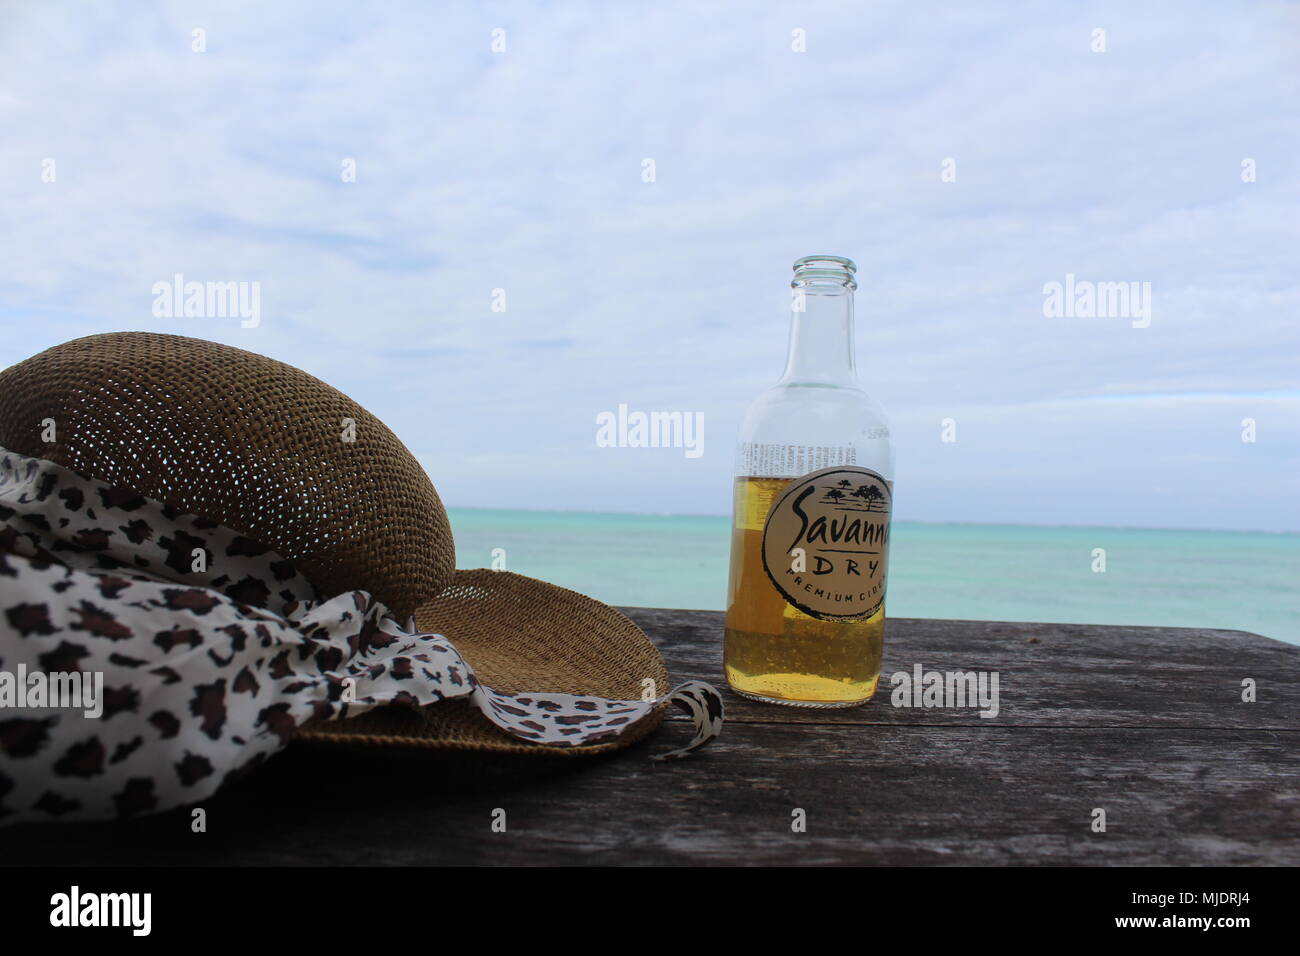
(813, 498)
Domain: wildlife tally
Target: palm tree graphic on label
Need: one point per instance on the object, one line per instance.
(868, 494)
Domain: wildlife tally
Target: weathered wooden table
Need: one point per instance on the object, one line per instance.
(1145, 723)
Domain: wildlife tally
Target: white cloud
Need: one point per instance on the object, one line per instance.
(522, 171)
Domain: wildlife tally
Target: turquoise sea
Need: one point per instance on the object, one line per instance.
(1245, 581)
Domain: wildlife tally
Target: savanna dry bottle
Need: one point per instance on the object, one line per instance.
(813, 498)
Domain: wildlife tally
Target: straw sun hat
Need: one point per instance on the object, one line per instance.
(221, 441)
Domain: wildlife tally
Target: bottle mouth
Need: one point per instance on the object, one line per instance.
(824, 271)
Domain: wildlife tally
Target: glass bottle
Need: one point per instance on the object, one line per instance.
(810, 531)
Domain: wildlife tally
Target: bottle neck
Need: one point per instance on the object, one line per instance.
(821, 334)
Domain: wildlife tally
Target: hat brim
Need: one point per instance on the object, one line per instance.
(518, 634)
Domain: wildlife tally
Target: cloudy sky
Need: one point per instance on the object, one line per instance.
(522, 169)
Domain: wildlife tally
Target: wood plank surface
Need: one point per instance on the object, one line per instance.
(1146, 723)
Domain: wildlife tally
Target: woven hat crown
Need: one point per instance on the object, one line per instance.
(243, 440)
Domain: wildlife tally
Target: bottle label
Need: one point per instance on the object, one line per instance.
(772, 460)
(826, 542)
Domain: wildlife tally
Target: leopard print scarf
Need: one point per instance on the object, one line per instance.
(204, 674)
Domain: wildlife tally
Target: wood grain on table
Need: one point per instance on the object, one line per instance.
(1147, 723)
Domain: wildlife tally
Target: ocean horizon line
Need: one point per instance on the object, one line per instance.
(972, 524)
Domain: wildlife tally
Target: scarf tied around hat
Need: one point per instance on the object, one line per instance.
(203, 652)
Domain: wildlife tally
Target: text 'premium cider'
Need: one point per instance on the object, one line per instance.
(813, 500)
